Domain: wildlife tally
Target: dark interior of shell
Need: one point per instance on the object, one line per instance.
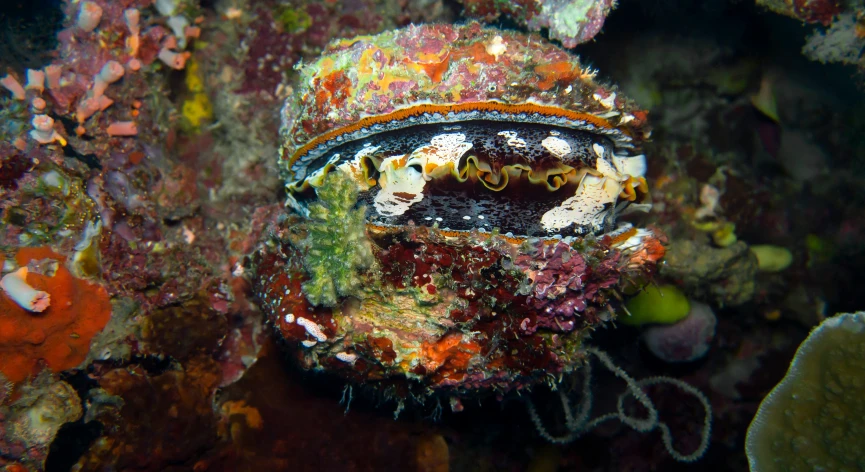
(529, 179)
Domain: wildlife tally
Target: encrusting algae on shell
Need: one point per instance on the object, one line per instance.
(490, 168)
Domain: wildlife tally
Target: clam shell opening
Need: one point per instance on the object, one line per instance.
(465, 128)
(533, 172)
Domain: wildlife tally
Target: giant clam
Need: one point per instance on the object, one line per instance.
(467, 127)
(455, 191)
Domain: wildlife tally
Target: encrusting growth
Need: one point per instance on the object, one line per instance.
(336, 247)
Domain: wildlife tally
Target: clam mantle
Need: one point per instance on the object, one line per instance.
(466, 127)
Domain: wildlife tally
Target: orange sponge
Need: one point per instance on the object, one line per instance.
(60, 335)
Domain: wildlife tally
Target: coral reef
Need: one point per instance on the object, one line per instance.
(47, 203)
(841, 42)
(135, 437)
(30, 423)
(162, 309)
(841, 37)
(723, 275)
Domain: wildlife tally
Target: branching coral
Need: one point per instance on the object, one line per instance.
(336, 246)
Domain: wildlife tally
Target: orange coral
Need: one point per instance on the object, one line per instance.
(651, 252)
(60, 335)
(450, 354)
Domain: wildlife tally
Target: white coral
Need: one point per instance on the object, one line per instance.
(839, 43)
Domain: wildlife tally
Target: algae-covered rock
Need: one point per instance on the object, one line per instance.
(31, 422)
(814, 419)
(724, 276)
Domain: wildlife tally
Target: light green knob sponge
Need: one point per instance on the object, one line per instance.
(664, 304)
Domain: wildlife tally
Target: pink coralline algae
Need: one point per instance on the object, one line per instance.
(562, 283)
(570, 21)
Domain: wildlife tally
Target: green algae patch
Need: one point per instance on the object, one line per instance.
(336, 248)
(663, 304)
(292, 20)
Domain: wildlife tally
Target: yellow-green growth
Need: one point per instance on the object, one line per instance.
(725, 235)
(292, 20)
(723, 232)
(336, 248)
(664, 304)
(772, 258)
(820, 250)
(815, 418)
(197, 109)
